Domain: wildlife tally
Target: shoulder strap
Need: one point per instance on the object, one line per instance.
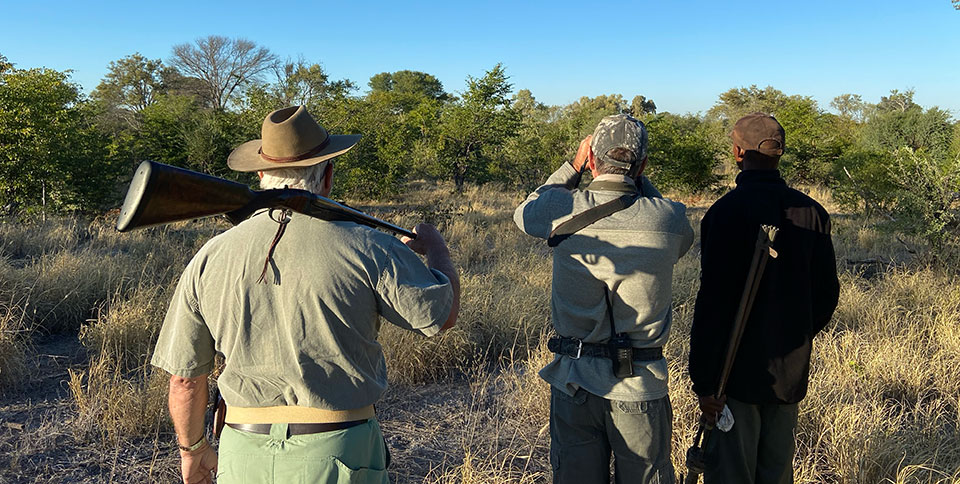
(589, 216)
(613, 325)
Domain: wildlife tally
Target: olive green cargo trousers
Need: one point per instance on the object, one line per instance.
(757, 450)
(356, 455)
(586, 428)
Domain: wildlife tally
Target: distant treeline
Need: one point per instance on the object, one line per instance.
(63, 151)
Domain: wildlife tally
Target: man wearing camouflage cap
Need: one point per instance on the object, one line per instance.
(615, 245)
(797, 295)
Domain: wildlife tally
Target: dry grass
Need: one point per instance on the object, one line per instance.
(883, 406)
(58, 274)
(119, 394)
(505, 280)
(12, 344)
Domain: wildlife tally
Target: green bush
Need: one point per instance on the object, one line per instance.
(682, 155)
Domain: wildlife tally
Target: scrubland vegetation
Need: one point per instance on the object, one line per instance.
(80, 305)
(467, 406)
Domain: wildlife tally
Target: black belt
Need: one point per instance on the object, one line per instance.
(297, 428)
(575, 348)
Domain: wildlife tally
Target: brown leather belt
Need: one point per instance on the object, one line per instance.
(295, 414)
(296, 428)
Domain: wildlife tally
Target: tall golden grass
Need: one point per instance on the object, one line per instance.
(884, 399)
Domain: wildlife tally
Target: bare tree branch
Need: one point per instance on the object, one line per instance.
(222, 64)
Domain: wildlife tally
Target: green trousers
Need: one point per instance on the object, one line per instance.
(356, 455)
(585, 429)
(757, 450)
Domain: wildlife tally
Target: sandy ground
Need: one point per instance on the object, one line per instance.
(424, 427)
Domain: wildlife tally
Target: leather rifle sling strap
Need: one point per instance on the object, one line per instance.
(589, 216)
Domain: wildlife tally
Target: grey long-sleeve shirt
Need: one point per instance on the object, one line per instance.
(632, 253)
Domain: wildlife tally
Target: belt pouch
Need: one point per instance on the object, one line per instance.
(621, 350)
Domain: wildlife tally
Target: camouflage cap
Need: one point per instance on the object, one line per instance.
(619, 131)
(759, 132)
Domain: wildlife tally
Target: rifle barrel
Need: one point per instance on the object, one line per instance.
(326, 205)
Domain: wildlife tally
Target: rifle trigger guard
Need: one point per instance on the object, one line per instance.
(283, 218)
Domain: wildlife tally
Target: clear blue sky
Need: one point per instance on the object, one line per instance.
(680, 54)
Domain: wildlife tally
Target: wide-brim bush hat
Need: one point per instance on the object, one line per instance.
(289, 138)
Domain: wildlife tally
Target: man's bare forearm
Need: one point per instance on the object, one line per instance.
(188, 403)
(439, 259)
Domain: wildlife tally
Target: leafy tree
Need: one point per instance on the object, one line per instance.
(641, 106)
(908, 168)
(474, 129)
(178, 131)
(919, 192)
(954, 151)
(303, 84)
(131, 85)
(682, 154)
(51, 157)
(394, 144)
(896, 101)
(540, 146)
(223, 65)
(582, 116)
(850, 106)
(737, 102)
(812, 144)
(297, 84)
(408, 82)
(898, 122)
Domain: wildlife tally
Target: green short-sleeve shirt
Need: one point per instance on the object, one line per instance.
(307, 335)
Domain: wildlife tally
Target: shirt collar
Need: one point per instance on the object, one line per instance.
(616, 179)
(760, 176)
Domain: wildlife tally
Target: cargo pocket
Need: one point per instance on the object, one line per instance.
(636, 408)
(641, 438)
(578, 398)
(362, 475)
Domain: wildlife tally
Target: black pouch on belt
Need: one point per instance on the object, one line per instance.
(621, 350)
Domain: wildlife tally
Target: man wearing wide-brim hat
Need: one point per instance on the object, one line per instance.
(293, 305)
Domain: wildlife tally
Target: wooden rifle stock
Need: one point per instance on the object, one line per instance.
(161, 194)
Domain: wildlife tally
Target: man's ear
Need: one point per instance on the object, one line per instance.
(260, 175)
(643, 165)
(328, 177)
(738, 152)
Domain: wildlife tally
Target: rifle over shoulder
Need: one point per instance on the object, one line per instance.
(161, 194)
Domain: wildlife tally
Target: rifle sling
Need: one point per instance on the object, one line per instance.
(579, 221)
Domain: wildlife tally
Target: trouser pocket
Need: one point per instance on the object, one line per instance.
(579, 452)
(348, 475)
(640, 436)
